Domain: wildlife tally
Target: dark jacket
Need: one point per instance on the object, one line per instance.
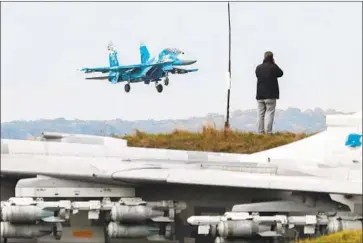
(267, 84)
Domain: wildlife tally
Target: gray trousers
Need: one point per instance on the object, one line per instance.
(265, 109)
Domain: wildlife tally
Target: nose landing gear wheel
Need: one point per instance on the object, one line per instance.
(166, 81)
(127, 88)
(159, 88)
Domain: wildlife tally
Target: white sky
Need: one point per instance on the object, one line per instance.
(318, 46)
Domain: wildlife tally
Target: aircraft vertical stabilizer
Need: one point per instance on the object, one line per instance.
(144, 53)
(112, 56)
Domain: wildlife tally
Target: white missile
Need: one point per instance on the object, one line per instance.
(204, 220)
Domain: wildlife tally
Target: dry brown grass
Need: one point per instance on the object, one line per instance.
(351, 236)
(212, 139)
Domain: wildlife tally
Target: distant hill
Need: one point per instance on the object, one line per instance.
(291, 120)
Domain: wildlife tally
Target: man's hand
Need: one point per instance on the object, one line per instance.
(279, 72)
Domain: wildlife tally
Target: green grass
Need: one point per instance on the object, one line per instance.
(211, 139)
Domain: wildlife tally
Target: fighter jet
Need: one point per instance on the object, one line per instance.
(71, 187)
(150, 69)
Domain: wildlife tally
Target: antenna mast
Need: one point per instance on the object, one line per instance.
(226, 124)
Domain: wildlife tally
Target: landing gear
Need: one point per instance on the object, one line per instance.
(127, 88)
(159, 88)
(166, 81)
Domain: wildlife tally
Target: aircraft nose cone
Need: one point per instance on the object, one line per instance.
(188, 62)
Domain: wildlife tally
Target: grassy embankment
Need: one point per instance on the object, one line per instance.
(211, 139)
(232, 141)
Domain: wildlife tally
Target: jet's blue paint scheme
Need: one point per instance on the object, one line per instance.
(354, 140)
(150, 69)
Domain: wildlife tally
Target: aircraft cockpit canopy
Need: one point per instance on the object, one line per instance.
(174, 51)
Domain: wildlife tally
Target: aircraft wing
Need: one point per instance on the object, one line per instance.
(209, 177)
(125, 68)
(146, 172)
(114, 69)
(96, 69)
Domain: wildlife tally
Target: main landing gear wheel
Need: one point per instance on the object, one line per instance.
(127, 88)
(166, 81)
(159, 88)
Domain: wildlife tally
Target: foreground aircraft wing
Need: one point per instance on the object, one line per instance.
(210, 177)
(146, 172)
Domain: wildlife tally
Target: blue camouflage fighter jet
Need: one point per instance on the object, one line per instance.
(151, 69)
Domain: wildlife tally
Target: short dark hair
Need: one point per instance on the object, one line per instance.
(268, 54)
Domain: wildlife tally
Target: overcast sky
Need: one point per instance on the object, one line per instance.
(318, 46)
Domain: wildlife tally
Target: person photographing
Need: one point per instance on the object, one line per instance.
(268, 92)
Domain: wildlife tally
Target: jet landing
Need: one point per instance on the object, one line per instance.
(149, 70)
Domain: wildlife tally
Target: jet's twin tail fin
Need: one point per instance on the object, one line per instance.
(112, 56)
(144, 53)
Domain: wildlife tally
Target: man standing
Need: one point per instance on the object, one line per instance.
(267, 91)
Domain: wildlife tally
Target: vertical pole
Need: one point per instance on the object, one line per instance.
(226, 124)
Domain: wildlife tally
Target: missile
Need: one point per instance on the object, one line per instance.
(133, 213)
(9, 230)
(23, 214)
(116, 230)
(204, 220)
